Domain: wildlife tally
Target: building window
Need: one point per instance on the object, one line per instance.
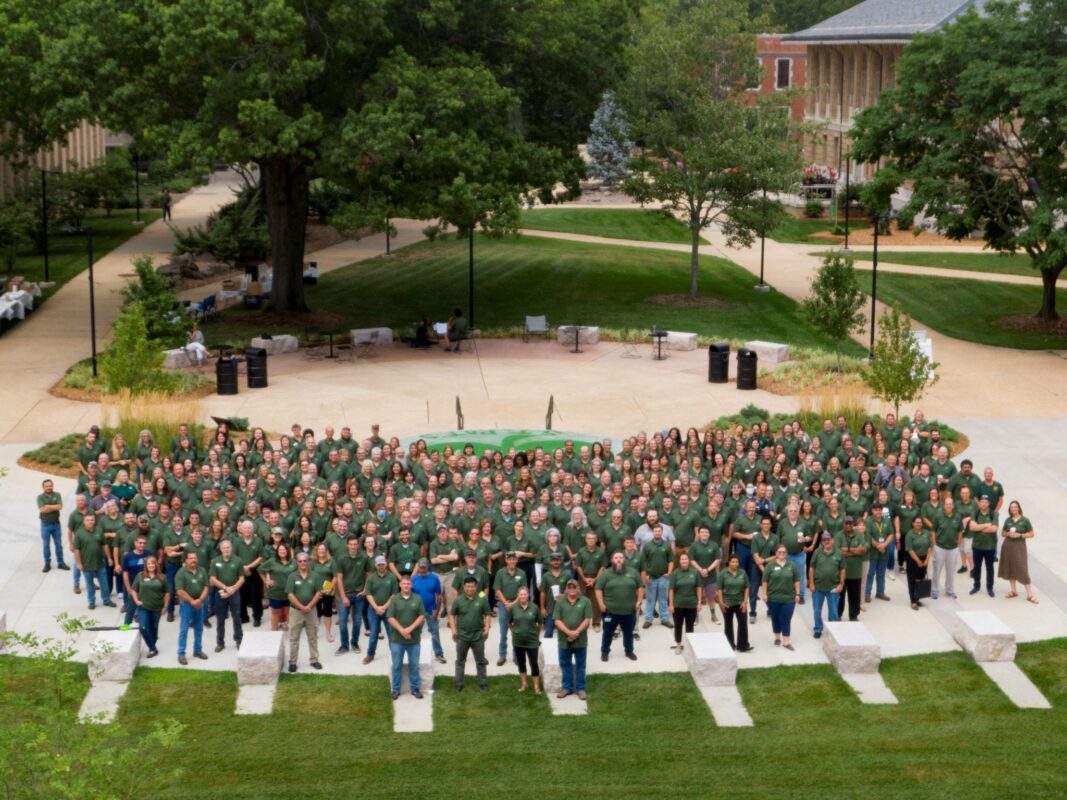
(783, 73)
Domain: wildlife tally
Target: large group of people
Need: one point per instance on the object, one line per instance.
(542, 545)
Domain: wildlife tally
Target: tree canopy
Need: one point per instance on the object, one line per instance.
(787, 16)
(977, 124)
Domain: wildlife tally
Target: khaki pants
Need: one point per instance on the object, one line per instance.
(590, 592)
(307, 621)
(450, 593)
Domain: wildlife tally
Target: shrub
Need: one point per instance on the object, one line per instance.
(813, 209)
(166, 323)
(236, 233)
(130, 414)
(133, 361)
(326, 197)
(431, 232)
(905, 220)
(752, 410)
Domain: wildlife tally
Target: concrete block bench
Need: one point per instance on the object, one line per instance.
(176, 359)
(984, 636)
(851, 648)
(587, 334)
(261, 657)
(277, 344)
(114, 656)
(363, 335)
(551, 674)
(680, 340)
(770, 354)
(711, 659)
(426, 670)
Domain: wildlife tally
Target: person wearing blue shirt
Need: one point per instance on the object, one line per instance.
(132, 566)
(428, 586)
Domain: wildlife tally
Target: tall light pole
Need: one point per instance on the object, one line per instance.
(44, 214)
(878, 219)
(87, 232)
(848, 162)
(761, 286)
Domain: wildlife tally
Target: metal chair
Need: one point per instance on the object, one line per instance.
(364, 344)
(535, 325)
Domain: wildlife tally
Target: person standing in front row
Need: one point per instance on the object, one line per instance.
(427, 585)
(618, 593)
(1014, 565)
(919, 546)
(733, 600)
(853, 545)
(468, 618)
(49, 505)
(525, 621)
(983, 530)
(149, 593)
(406, 615)
(683, 598)
(190, 583)
(381, 586)
(227, 574)
(303, 591)
(573, 615)
(781, 593)
(826, 580)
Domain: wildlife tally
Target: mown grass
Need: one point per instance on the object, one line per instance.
(996, 263)
(801, 231)
(644, 225)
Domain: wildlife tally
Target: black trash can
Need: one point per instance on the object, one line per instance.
(746, 369)
(718, 362)
(256, 361)
(226, 375)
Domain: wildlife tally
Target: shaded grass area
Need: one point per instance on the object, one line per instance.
(567, 281)
(645, 225)
(331, 734)
(800, 231)
(997, 263)
(970, 310)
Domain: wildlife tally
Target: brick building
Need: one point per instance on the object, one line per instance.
(84, 145)
(784, 67)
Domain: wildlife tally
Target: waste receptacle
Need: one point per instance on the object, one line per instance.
(256, 361)
(746, 368)
(226, 375)
(718, 362)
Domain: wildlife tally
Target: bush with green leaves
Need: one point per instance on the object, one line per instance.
(134, 361)
(165, 321)
(835, 301)
(813, 209)
(325, 199)
(236, 233)
(899, 371)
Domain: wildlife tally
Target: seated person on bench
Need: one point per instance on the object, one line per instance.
(422, 334)
(458, 330)
(198, 353)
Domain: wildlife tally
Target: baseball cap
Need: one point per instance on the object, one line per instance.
(827, 536)
(556, 557)
(143, 519)
(379, 560)
(850, 518)
(469, 552)
(572, 582)
(106, 483)
(511, 554)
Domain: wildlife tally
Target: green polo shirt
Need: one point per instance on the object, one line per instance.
(381, 587)
(480, 575)
(764, 546)
(704, 555)
(404, 557)
(920, 542)
(302, 588)
(470, 614)
(509, 584)
(439, 548)
(733, 586)
(279, 573)
(985, 541)
(354, 571)
(656, 556)
(192, 583)
(571, 615)
(947, 529)
(590, 561)
(52, 499)
(151, 591)
(779, 580)
(229, 572)
(879, 530)
(789, 534)
(552, 588)
(827, 569)
(853, 564)
(523, 623)
(620, 590)
(405, 610)
(686, 584)
(91, 548)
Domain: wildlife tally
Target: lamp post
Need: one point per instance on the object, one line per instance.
(137, 186)
(761, 286)
(877, 219)
(87, 232)
(44, 214)
(848, 162)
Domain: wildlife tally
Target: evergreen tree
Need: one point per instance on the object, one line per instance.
(609, 147)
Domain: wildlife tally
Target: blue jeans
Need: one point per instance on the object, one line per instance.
(572, 665)
(781, 616)
(550, 626)
(831, 599)
(412, 651)
(435, 634)
(190, 617)
(612, 621)
(656, 590)
(52, 537)
(376, 622)
(502, 618)
(171, 571)
(891, 554)
(800, 561)
(751, 568)
(101, 577)
(149, 622)
(980, 557)
(355, 611)
(876, 568)
(129, 608)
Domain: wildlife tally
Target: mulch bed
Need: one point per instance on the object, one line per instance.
(1027, 323)
(294, 322)
(685, 301)
(94, 396)
(50, 469)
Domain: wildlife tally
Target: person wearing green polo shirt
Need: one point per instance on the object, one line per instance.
(149, 595)
(90, 555)
(553, 584)
(657, 561)
(468, 618)
(191, 585)
(732, 599)
(588, 564)
(406, 615)
(793, 533)
(350, 583)
(525, 622)
(983, 527)
(227, 575)
(683, 598)
(49, 506)
(705, 554)
(619, 591)
(506, 587)
(781, 593)
(572, 615)
(826, 580)
(275, 572)
(763, 546)
(880, 533)
(853, 546)
(948, 535)
(380, 587)
(403, 555)
(304, 591)
(919, 546)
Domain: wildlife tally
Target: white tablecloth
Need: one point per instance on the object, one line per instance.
(25, 299)
(11, 311)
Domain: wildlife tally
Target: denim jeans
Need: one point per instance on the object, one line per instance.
(550, 627)
(749, 567)
(980, 557)
(52, 537)
(194, 618)
(149, 623)
(657, 589)
(876, 568)
(412, 651)
(171, 571)
(891, 554)
(831, 599)
(100, 576)
(800, 561)
(377, 622)
(434, 626)
(502, 618)
(355, 611)
(572, 665)
(129, 608)
(781, 617)
(612, 621)
(228, 606)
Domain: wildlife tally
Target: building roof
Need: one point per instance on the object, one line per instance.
(885, 21)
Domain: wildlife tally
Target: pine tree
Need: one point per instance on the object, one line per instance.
(899, 371)
(834, 304)
(133, 361)
(608, 147)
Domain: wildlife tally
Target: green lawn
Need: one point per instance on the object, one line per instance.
(999, 263)
(954, 734)
(567, 281)
(643, 225)
(799, 231)
(969, 310)
(67, 254)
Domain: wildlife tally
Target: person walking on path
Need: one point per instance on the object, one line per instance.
(1014, 563)
(49, 506)
(826, 580)
(191, 585)
(468, 619)
(165, 203)
(227, 575)
(406, 615)
(573, 614)
(149, 593)
(303, 591)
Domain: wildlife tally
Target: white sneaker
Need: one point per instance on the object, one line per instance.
(892, 576)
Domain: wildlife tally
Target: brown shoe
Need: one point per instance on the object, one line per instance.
(867, 598)
(501, 662)
(367, 659)
(883, 597)
(77, 590)
(582, 696)
(562, 693)
(183, 661)
(201, 655)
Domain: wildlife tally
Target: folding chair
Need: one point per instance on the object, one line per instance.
(534, 325)
(365, 343)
